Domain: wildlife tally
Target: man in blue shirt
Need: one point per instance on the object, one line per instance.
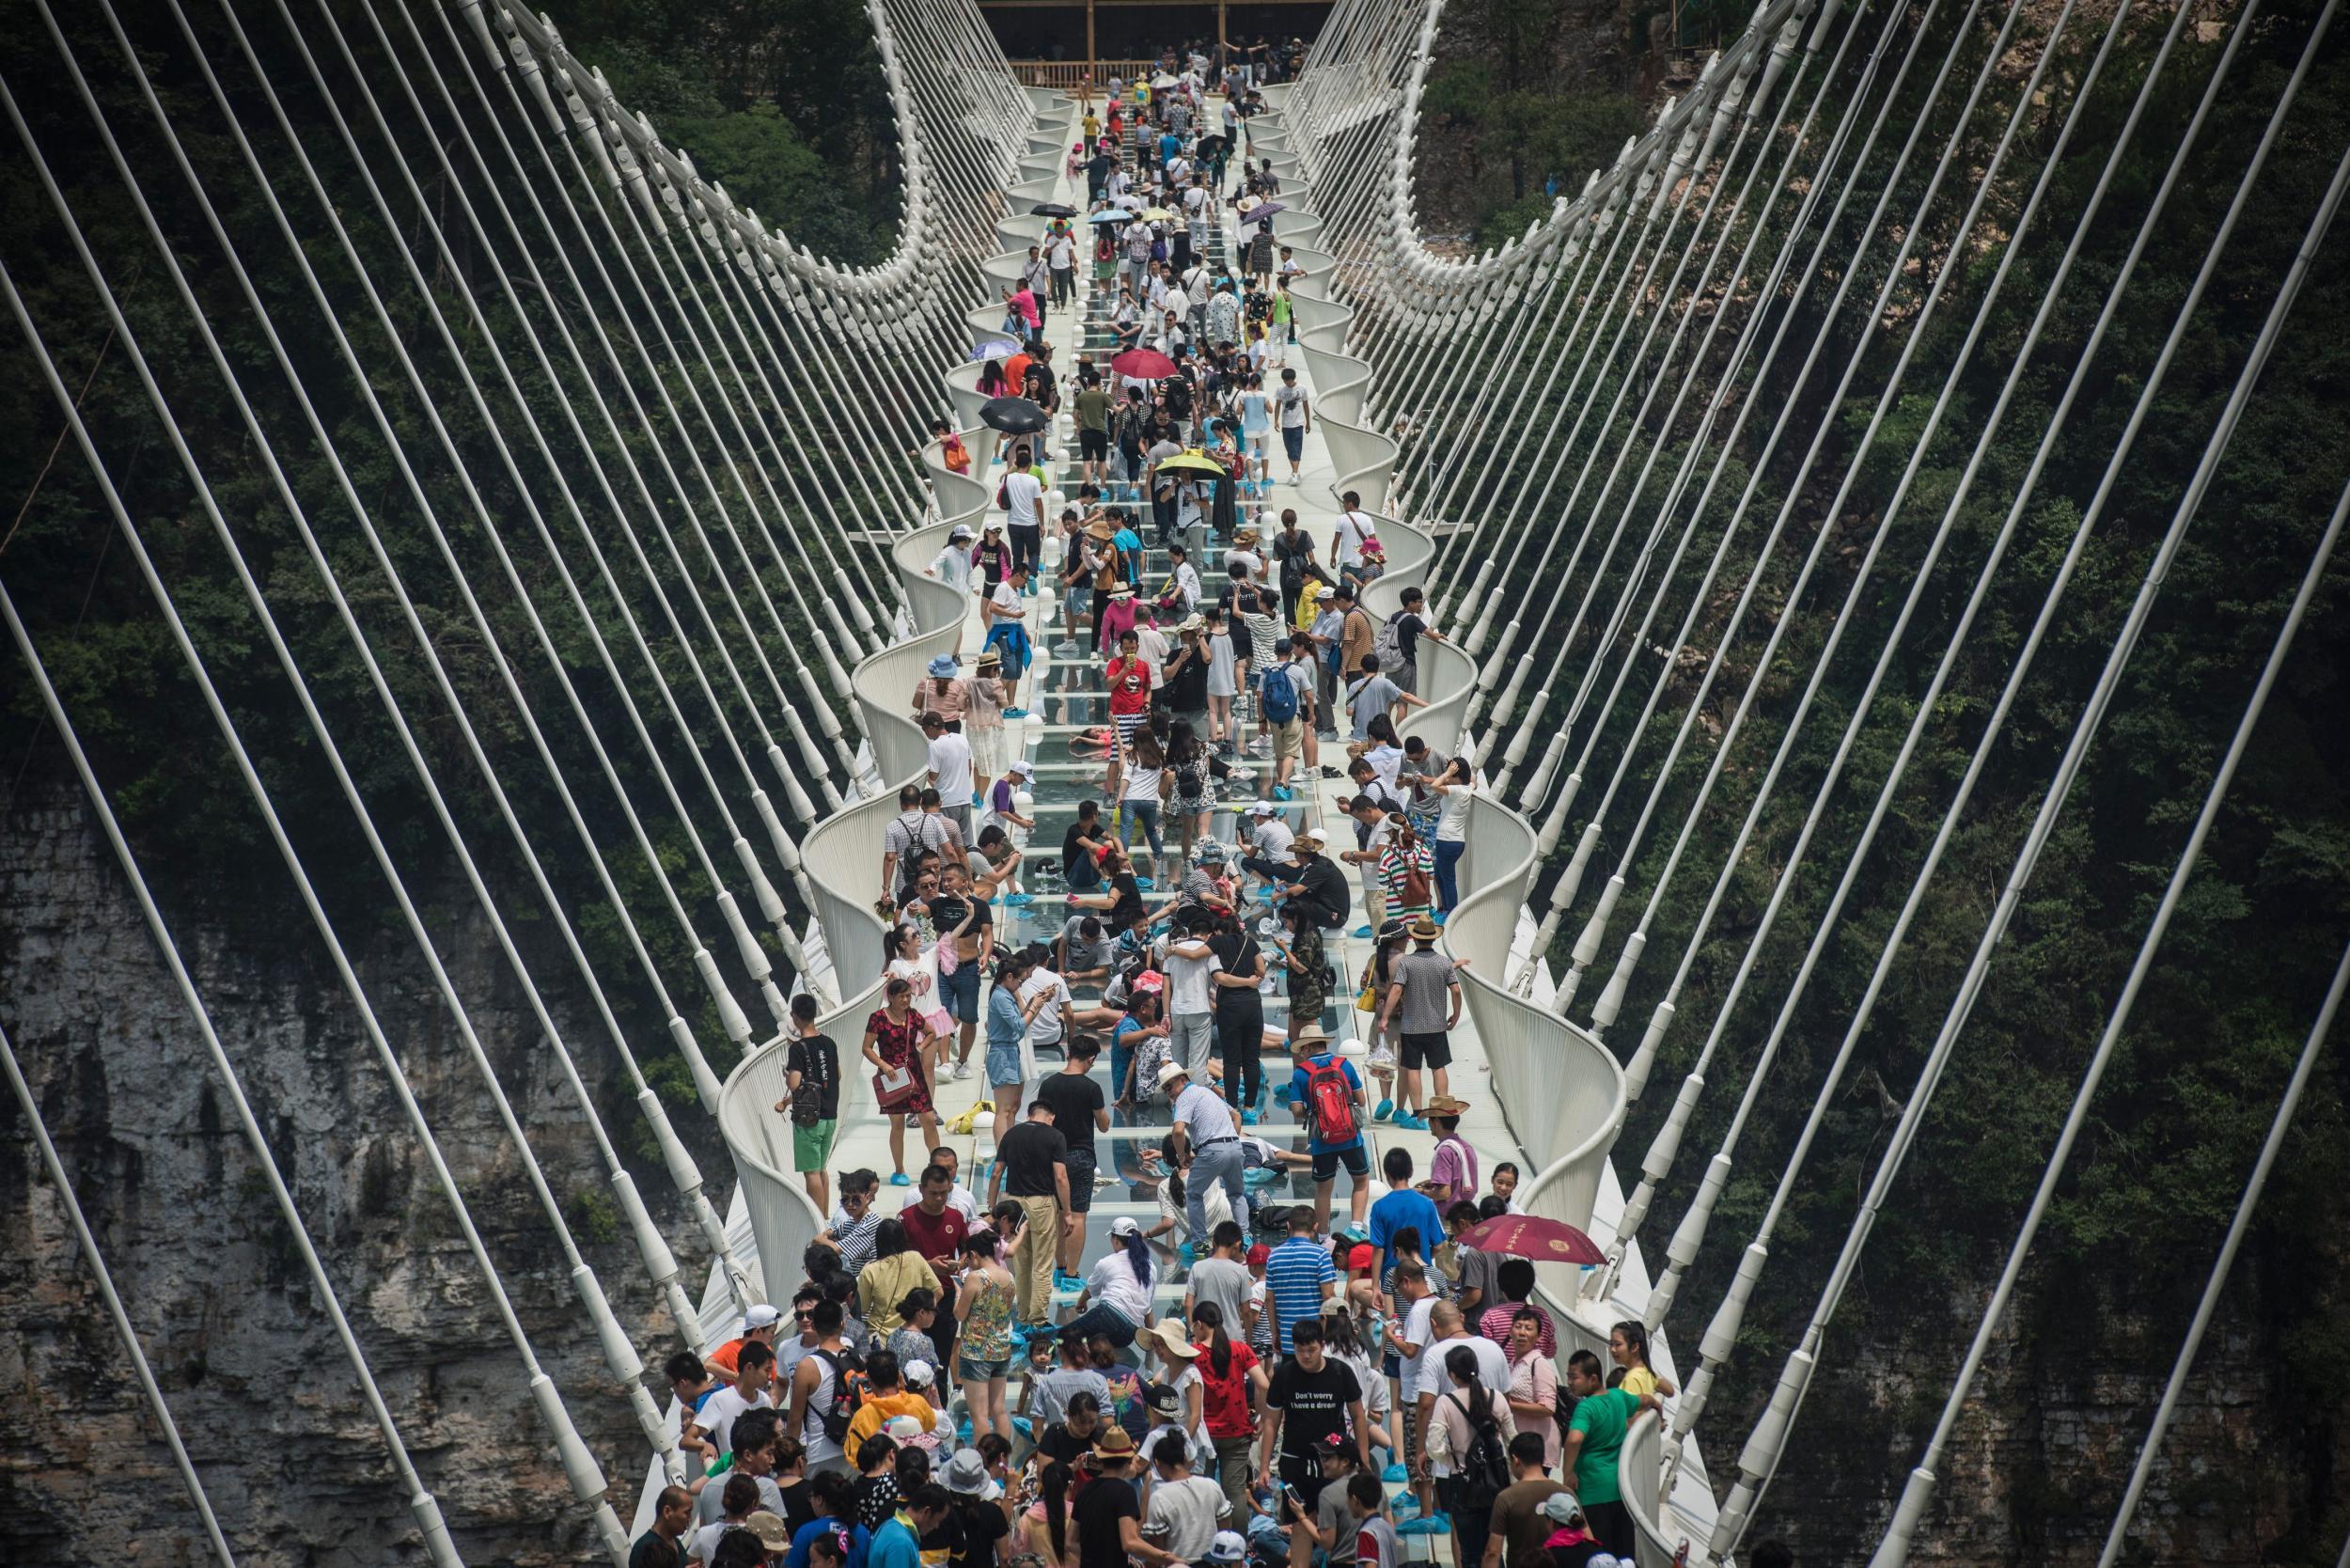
(1405, 1207)
(899, 1542)
(1128, 545)
(1334, 1132)
(1299, 1274)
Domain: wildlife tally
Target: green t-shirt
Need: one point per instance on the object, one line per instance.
(1093, 410)
(1602, 1419)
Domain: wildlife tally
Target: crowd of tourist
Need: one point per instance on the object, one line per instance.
(953, 1386)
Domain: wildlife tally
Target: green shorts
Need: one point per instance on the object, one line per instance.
(811, 1147)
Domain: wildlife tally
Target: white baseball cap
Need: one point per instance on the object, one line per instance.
(760, 1316)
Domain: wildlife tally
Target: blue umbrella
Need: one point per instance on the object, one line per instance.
(994, 348)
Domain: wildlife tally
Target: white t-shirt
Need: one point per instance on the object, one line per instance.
(1024, 491)
(1354, 530)
(953, 566)
(1189, 987)
(1044, 1030)
(1273, 837)
(1064, 253)
(1007, 602)
(950, 758)
(720, 1409)
(1416, 1331)
(1152, 644)
(1453, 818)
(1113, 1283)
(1493, 1364)
(1290, 401)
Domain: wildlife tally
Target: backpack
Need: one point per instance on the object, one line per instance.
(1479, 1475)
(1387, 645)
(1280, 700)
(1332, 1099)
(850, 1390)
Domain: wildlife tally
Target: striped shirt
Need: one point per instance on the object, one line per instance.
(1295, 1274)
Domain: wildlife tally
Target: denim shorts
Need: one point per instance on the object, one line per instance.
(958, 993)
(1003, 1067)
(980, 1372)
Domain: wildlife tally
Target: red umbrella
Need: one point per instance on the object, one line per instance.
(1544, 1241)
(1146, 364)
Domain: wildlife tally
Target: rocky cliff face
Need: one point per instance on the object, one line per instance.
(266, 1401)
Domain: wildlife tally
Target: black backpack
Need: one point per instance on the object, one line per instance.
(1479, 1475)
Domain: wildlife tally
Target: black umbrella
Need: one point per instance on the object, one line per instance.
(1209, 147)
(1052, 210)
(1013, 415)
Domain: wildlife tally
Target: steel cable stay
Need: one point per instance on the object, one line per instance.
(2217, 1282)
(1658, 1161)
(587, 1481)
(661, 1265)
(803, 808)
(1917, 1492)
(116, 1313)
(1594, 931)
(422, 1506)
(1506, 703)
(430, 223)
(362, 382)
(752, 955)
(1537, 785)
(1760, 1459)
(1722, 1329)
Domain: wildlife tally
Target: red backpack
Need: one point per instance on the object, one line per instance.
(1332, 1099)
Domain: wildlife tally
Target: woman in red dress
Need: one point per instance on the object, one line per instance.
(898, 1041)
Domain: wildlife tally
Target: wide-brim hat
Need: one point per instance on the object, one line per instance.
(943, 665)
(1115, 1444)
(1100, 528)
(1312, 1034)
(991, 657)
(1168, 1336)
(1426, 930)
(774, 1534)
(1171, 1072)
(1120, 591)
(1445, 1105)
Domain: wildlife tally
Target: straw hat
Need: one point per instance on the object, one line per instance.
(1445, 1105)
(1426, 930)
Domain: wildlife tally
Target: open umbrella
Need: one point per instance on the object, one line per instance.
(1192, 461)
(1052, 210)
(1259, 214)
(1013, 415)
(1107, 217)
(1207, 146)
(1148, 364)
(995, 348)
(1163, 80)
(1544, 1241)
(1156, 214)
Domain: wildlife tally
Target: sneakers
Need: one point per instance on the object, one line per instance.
(961, 1070)
(1410, 1122)
(1328, 772)
(1385, 1109)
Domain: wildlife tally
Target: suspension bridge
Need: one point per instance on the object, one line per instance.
(624, 507)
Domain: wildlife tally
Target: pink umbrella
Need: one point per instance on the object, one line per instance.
(1144, 363)
(1544, 1241)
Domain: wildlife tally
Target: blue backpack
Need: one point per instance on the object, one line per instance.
(1280, 700)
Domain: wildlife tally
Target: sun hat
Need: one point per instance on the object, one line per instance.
(904, 1429)
(1426, 930)
(1445, 1105)
(1168, 1336)
(1315, 836)
(966, 1474)
(1171, 1072)
(1121, 590)
(1115, 1444)
(943, 665)
(1209, 852)
(760, 1316)
(774, 1534)
(989, 658)
(961, 530)
(1312, 1034)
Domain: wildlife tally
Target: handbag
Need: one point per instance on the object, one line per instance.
(1367, 995)
(893, 1087)
(1003, 496)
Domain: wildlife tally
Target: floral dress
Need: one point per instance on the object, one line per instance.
(1194, 790)
(899, 1045)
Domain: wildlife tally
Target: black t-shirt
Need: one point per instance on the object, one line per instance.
(1325, 889)
(1100, 1543)
(969, 1532)
(1074, 1097)
(1407, 630)
(1315, 1403)
(1029, 1151)
(1128, 908)
(1057, 1443)
(1238, 952)
(1186, 688)
(816, 1060)
(1292, 558)
(799, 1504)
(1076, 861)
(653, 1550)
(947, 910)
(1098, 168)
